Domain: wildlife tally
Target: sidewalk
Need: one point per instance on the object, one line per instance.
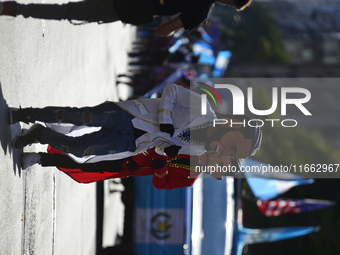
(43, 211)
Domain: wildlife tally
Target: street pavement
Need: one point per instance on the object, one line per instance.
(42, 63)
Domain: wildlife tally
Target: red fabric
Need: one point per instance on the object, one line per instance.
(176, 177)
(80, 176)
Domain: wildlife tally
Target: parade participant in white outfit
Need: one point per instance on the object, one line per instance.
(171, 124)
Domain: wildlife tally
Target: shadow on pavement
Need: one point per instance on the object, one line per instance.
(125, 242)
(6, 131)
(99, 216)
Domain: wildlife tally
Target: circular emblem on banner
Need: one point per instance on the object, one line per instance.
(160, 227)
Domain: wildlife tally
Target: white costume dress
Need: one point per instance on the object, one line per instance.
(178, 106)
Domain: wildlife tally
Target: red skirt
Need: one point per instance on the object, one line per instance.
(81, 176)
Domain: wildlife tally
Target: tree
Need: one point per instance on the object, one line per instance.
(297, 145)
(251, 35)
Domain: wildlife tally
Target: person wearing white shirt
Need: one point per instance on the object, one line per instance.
(128, 128)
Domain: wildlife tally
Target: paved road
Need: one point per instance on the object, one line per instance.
(42, 211)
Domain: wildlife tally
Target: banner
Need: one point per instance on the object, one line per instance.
(278, 207)
(270, 188)
(160, 219)
(245, 236)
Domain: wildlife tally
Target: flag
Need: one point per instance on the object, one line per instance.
(276, 207)
(205, 52)
(160, 219)
(221, 64)
(268, 235)
(265, 188)
(250, 236)
(270, 184)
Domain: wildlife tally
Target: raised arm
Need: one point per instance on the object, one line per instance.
(172, 95)
(167, 103)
